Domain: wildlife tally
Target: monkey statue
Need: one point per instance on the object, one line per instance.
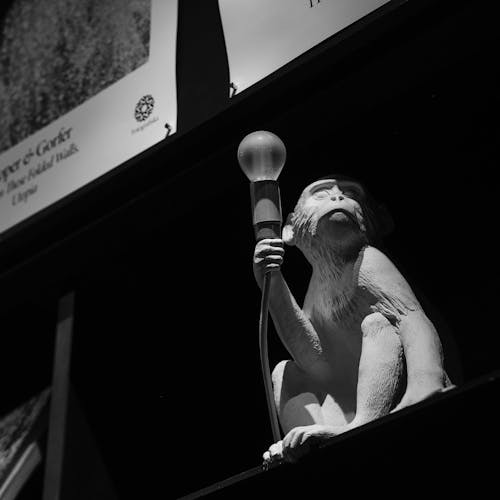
(361, 345)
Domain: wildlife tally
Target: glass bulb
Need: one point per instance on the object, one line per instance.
(261, 156)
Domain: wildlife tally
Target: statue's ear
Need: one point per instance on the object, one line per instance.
(287, 234)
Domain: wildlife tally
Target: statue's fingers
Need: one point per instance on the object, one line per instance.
(296, 438)
(290, 443)
(274, 259)
(270, 260)
(276, 450)
(305, 439)
(273, 264)
(288, 438)
(276, 242)
(268, 245)
(270, 250)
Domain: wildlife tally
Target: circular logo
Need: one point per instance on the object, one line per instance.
(144, 107)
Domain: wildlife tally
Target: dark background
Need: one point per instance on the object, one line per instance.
(166, 362)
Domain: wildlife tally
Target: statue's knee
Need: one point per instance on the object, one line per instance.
(288, 379)
(374, 323)
(279, 371)
(278, 377)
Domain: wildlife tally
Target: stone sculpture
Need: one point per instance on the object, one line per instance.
(362, 346)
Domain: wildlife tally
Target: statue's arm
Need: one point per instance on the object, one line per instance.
(293, 326)
(424, 357)
(420, 341)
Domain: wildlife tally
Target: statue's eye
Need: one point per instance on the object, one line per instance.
(350, 193)
(321, 193)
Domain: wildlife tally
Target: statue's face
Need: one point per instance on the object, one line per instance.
(328, 215)
(334, 205)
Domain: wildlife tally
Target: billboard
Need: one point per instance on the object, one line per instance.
(264, 35)
(85, 85)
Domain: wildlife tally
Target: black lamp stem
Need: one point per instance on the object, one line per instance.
(264, 357)
(266, 218)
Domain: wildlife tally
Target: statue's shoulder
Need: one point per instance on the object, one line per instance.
(379, 275)
(375, 262)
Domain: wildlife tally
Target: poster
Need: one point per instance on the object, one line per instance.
(263, 35)
(84, 86)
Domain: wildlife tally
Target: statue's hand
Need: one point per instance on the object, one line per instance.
(268, 256)
(298, 442)
(274, 453)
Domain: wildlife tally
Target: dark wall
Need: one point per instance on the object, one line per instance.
(166, 361)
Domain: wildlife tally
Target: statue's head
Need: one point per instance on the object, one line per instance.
(335, 213)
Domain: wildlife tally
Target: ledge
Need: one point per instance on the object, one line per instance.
(440, 445)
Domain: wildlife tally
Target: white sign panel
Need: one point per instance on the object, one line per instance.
(84, 86)
(263, 35)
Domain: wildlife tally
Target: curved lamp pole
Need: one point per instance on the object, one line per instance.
(261, 156)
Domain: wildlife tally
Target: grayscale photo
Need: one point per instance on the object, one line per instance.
(249, 251)
(57, 54)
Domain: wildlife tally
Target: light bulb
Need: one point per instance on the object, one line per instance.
(261, 156)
